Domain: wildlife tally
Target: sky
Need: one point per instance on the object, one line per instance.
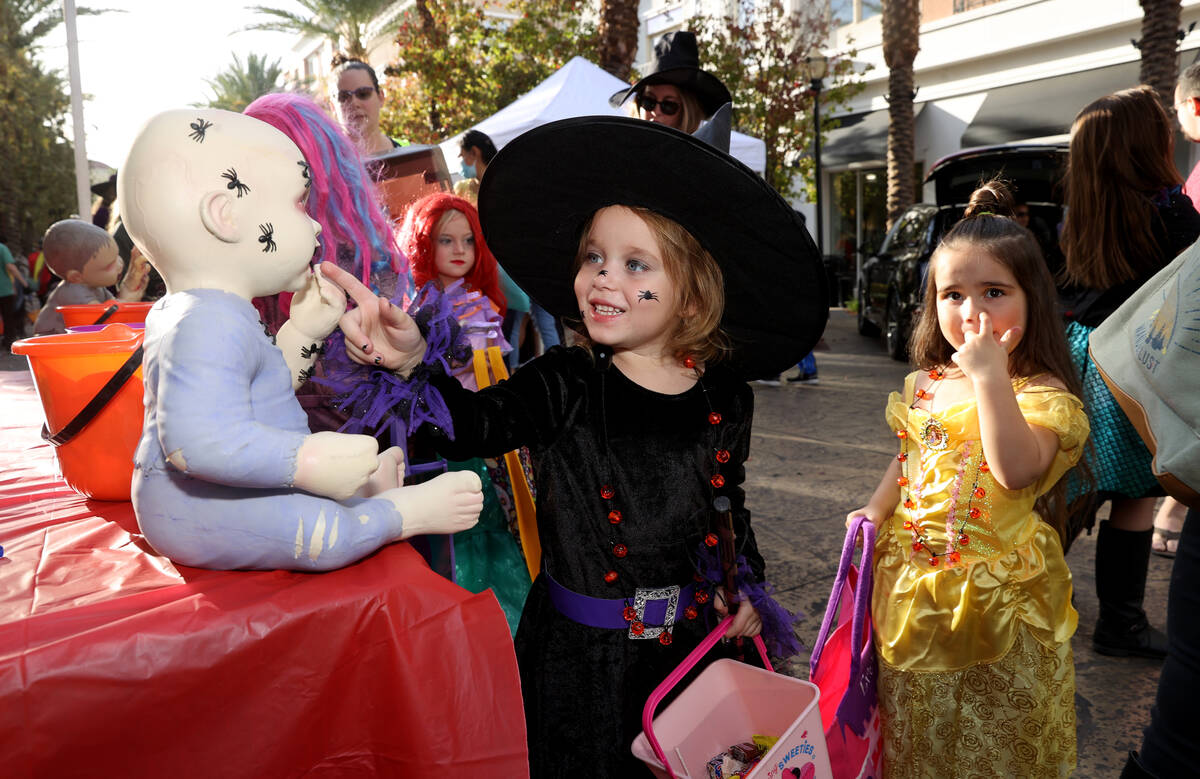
(154, 57)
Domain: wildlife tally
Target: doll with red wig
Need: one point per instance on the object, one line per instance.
(444, 242)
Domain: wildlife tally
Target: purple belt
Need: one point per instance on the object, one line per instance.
(655, 607)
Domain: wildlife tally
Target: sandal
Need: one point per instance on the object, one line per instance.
(1164, 542)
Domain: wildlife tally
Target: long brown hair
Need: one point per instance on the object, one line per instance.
(987, 226)
(701, 287)
(1121, 156)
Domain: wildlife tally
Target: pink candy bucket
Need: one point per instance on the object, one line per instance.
(727, 704)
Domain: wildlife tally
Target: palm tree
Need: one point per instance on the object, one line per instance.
(240, 85)
(1159, 46)
(342, 22)
(618, 30)
(23, 23)
(901, 25)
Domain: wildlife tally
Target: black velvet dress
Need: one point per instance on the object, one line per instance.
(588, 426)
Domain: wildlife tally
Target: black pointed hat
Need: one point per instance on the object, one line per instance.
(677, 61)
(776, 303)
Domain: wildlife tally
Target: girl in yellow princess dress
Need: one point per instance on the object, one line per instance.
(972, 597)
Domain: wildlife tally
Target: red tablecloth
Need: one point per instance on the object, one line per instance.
(116, 662)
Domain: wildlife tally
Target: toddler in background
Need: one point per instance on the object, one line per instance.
(86, 259)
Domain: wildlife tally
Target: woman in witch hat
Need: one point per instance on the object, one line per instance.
(638, 438)
(676, 92)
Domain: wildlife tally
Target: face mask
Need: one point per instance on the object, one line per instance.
(468, 171)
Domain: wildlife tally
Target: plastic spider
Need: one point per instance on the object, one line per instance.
(198, 129)
(234, 182)
(268, 237)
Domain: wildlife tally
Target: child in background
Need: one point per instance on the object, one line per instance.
(86, 259)
(355, 233)
(972, 602)
(635, 436)
(442, 238)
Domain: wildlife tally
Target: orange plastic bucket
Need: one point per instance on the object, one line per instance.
(88, 313)
(69, 370)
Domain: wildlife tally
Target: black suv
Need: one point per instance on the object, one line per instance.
(891, 283)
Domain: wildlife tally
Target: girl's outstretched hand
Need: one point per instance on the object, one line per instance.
(377, 333)
(982, 354)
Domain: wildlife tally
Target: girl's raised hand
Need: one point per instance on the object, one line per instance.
(377, 333)
(982, 354)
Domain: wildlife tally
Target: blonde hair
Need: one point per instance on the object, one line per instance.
(700, 284)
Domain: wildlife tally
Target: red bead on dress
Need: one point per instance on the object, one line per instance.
(963, 539)
(979, 492)
(702, 597)
(691, 612)
(902, 481)
(974, 513)
(620, 550)
(714, 418)
(637, 627)
(933, 560)
(711, 540)
(664, 638)
(902, 434)
(614, 517)
(630, 613)
(607, 492)
(610, 577)
(722, 455)
(717, 481)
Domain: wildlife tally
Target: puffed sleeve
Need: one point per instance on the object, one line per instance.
(1061, 412)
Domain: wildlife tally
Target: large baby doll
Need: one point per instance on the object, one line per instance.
(228, 474)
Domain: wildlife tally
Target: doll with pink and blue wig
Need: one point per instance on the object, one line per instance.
(355, 232)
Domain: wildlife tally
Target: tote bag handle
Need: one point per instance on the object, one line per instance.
(681, 671)
(862, 595)
(522, 495)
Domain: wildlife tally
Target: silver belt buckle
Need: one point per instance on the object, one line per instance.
(642, 596)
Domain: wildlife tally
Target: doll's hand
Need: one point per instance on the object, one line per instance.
(983, 355)
(133, 286)
(746, 622)
(377, 333)
(335, 465)
(318, 306)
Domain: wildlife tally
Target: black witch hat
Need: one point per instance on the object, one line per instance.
(677, 61)
(533, 216)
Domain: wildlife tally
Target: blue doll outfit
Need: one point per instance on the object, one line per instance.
(219, 392)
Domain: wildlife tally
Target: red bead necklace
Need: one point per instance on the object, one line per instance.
(615, 519)
(933, 435)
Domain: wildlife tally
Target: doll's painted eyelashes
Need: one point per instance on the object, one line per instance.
(602, 273)
(648, 295)
(267, 238)
(198, 129)
(234, 182)
(306, 173)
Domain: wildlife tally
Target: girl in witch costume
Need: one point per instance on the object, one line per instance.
(444, 243)
(972, 603)
(682, 299)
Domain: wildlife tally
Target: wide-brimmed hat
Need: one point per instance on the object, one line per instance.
(544, 185)
(677, 61)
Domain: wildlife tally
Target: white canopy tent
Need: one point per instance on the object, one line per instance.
(578, 88)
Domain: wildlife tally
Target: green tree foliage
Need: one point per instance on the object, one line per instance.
(240, 84)
(342, 22)
(37, 185)
(760, 55)
(456, 66)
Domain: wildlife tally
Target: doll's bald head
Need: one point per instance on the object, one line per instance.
(205, 192)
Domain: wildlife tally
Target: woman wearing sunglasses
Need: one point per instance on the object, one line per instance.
(359, 99)
(675, 91)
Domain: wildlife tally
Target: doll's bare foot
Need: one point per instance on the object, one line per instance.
(387, 477)
(447, 504)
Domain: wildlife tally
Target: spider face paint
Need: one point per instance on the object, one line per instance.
(267, 239)
(234, 183)
(306, 172)
(199, 127)
(623, 265)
